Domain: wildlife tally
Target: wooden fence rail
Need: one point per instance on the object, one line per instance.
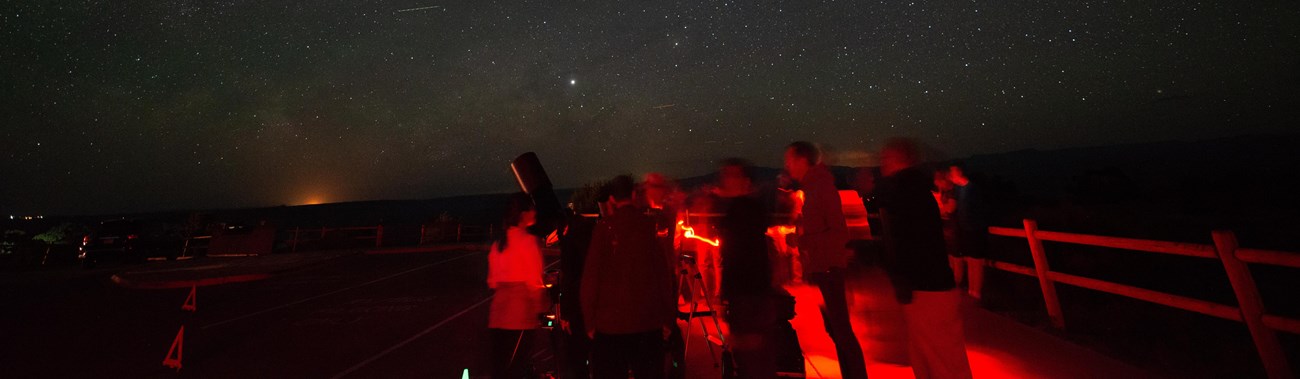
(299, 234)
(460, 233)
(1249, 310)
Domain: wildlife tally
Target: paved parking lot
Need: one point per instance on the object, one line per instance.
(355, 315)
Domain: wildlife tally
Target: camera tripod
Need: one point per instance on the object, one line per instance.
(690, 279)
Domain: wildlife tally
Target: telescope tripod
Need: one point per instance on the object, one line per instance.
(690, 280)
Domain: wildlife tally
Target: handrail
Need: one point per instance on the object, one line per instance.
(1269, 257)
(1150, 246)
(1166, 299)
(1250, 309)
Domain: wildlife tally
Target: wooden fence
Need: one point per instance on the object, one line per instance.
(458, 233)
(306, 234)
(1235, 259)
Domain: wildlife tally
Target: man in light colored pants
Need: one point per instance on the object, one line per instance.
(918, 264)
(937, 345)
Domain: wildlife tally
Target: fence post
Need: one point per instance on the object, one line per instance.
(379, 235)
(294, 245)
(1042, 269)
(421, 235)
(458, 232)
(1251, 305)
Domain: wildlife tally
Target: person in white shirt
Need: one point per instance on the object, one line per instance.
(515, 273)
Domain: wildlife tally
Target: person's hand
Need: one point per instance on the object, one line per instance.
(667, 331)
(591, 333)
(564, 326)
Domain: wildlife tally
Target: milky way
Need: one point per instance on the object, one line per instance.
(148, 105)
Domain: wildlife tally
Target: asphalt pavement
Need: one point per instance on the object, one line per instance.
(358, 315)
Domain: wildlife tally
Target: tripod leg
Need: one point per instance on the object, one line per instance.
(712, 354)
(703, 326)
(717, 325)
(686, 340)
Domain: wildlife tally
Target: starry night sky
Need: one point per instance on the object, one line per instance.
(116, 106)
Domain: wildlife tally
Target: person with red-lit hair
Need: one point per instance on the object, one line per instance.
(662, 202)
(515, 273)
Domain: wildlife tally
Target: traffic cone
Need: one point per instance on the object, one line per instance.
(191, 301)
(177, 346)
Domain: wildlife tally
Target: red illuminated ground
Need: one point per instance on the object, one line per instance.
(996, 347)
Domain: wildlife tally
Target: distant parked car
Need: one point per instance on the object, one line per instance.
(130, 241)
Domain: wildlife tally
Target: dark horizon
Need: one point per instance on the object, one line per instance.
(1024, 180)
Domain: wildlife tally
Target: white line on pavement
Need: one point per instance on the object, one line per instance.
(420, 334)
(412, 338)
(285, 305)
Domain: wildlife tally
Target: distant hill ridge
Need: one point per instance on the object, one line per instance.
(1247, 161)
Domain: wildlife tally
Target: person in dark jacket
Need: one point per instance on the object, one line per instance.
(574, 241)
(918, 265)
(746, 271)
(627, 299)
(659, 198)
(971, 228)
(822, 239)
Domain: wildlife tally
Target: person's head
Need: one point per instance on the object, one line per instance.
(520, 211)
(620, 189)
(957, 175)
(734, 176)
(941, 182)
(799, 157)
(897, 155)
(864, 181)
(657, 188)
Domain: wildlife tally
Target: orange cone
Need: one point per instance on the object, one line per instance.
(177, 346)
(191, 301)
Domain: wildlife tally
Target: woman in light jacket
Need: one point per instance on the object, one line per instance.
(515, 272)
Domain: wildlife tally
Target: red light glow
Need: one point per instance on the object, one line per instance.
(986, 361)
(689, 232)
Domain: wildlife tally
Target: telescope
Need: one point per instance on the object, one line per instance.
(533, 181)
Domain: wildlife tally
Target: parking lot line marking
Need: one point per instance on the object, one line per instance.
(289, 304)
(399, 345)
(420, 334)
